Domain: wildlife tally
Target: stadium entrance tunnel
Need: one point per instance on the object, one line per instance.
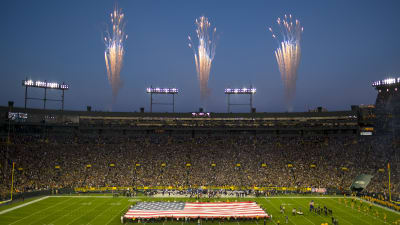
(361, 182)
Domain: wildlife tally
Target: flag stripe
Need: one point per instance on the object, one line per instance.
(202, 210)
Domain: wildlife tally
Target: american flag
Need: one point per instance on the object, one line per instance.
(195, 210)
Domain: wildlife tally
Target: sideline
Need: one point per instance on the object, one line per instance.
(82, 196)
(380, 206)
(139, 197)
(183, 196)
(22, 205)
(303, 197)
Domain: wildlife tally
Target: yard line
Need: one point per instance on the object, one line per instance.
(304, 197)
(78, 216)
(81, 196)
(370, 215)
(256, 222)
(87, 212)
(305, 216)
(288, 216)
(270, 214)
(39, 211)
(22, 205)
(326, 220)
(308, 220)
(69, 212)
(365, 221)
(101, 213)
(273, 222)
(54, 212)
(277, 208)
(377, 205)
(117, 214)
(342, 217)
(174, 198)
(228, 196)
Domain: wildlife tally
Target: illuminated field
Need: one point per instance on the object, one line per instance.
(108, 210)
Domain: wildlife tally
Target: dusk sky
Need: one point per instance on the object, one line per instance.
(346, 45)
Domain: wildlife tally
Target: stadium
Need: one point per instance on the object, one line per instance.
(285, 125)
(124, 163)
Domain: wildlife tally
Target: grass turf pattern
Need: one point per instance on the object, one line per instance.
(102, 210)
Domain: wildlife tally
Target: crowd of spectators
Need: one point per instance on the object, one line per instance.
(60, 162)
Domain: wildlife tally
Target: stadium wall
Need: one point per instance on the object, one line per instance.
(45, 122)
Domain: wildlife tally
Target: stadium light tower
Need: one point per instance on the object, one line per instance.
(45, 85)
(387, 105)
(162, 91)
(240, 91)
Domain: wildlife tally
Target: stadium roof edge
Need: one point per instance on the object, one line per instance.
(187, 114)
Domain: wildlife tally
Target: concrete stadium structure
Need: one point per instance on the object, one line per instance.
(54, 122)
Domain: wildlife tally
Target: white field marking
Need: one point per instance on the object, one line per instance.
(61, 208)
(98, 215)
(116, 214)
(278, 209)
(345, 212)
(86, 213)
(324, 219)
(267, 201)
(39, 211)
(340, 218)
(333, 197)
(138, 199)
(383, 207)
(188, 196)
(174, 198)
(22, 205)
(367, 214)
(303, 197)
(289, 214)
(115, 203)
(86, 203)
(309, 220)
(273, 221)
(284, 212)
(232, 196)
(77, 207)
(80, 196)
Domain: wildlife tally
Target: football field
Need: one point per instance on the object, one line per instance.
(105, 209)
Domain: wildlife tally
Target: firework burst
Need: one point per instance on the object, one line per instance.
(204, 53)
(114, 53)
(288, 55)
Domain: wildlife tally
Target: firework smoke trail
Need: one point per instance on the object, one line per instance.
(205, 52)
(114, 53)
(288, 55)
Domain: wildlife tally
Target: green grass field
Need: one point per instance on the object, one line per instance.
(108, 210)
